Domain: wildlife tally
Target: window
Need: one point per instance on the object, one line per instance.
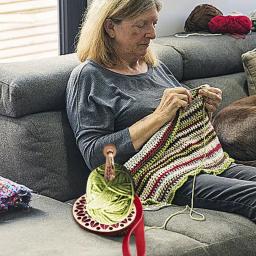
(28, 29)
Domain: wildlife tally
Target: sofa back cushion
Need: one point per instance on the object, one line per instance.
(37, 86)
(233, 86)
(39, 151)
(171, 58)
(210, 56)
(34, 86)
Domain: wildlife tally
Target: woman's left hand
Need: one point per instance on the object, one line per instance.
(212, 97)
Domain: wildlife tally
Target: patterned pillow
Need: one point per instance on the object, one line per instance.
(249, 63)
(13, 195)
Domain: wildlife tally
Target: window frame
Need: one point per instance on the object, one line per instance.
(70, 16)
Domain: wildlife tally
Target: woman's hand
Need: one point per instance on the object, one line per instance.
(212, 97)
(171, 101)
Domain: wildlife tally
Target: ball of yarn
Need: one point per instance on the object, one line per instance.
(199, 18)
(230, 24)
(109, 202)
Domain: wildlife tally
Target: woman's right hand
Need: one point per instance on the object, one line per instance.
(171, 101)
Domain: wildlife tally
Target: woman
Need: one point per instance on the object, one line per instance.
(122, 95)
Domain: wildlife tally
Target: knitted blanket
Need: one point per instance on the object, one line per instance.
(181, 148)
(13, 195)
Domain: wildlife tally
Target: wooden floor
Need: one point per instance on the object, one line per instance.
(28, 29)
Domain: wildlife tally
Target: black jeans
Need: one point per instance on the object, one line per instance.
(233, 191)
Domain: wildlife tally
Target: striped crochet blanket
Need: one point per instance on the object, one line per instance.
(182, 148)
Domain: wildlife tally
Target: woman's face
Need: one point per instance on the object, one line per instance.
(132, 36)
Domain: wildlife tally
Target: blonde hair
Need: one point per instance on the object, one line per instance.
(94, 43)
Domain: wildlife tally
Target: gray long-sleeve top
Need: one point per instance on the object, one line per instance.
(102, 104)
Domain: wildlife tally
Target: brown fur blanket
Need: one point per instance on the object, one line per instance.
(235, 126)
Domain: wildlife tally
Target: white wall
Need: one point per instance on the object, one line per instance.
(175, 12)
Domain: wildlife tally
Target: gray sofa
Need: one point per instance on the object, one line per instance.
(38, 150)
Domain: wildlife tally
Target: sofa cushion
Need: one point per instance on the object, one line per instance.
(39, 151)
(249, 63)
(207, 56)
(233, 86)
(49, 229)
(220, 234)
(34, 86)
(171, 58)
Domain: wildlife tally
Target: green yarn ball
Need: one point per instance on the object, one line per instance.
(109, 202)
